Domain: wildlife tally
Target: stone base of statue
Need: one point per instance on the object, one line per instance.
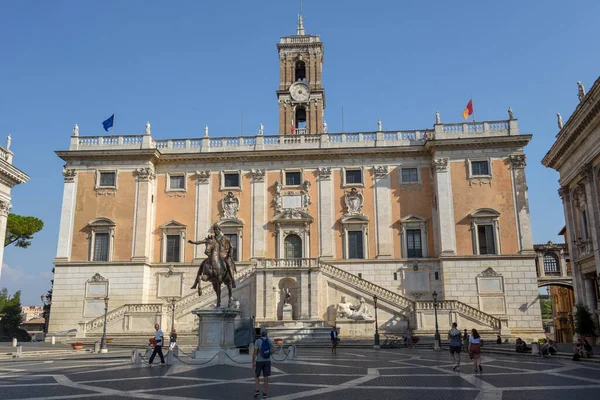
(287, 312)
(216, 334)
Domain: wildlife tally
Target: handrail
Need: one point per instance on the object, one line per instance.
(120, 311)
(456, 305)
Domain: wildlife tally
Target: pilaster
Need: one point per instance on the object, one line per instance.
(314, 295)
(304, 294)
(259, 214)
(445, 206)
(67, 215)
(590, 177)
(383, 215)
(517, 163)
(5, 207)
(260, 295)
(578, 288)
(143, 209)
(326, 214)
(203, 208)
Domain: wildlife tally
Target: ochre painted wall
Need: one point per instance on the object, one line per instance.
(118, 208)
(498, 196)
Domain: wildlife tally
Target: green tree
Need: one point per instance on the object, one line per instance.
(10, 309)
(546, 306)
(20, 230)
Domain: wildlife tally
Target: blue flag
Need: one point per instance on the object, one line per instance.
(109, 122)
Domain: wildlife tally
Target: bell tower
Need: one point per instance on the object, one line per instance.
(301, 95)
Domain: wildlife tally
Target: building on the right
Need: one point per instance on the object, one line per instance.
(576, 156)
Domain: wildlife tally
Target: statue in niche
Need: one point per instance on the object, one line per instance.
(287, 296)
(231, 205)
(354, 201)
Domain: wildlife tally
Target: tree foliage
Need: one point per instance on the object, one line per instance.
(584, 321)
(10, 309)
(546, 306)
(20, 230)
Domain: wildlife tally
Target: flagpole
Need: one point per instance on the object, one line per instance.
(113, 126)
(473, 108)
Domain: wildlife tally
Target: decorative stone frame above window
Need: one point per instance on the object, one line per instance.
(101, 225)
(224, 188)
(234, 226)
(176, 191)
(172, 228)
(292, 222)
(105, 190)
(485, 216)
(479, 179)
(413, 221)
(354, 223)
(362, 177)
(324, 173)
(490, 290)
(202, 177)
(283, 177)
(292, 200)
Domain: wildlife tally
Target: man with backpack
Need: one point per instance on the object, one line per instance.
(261, 361)
(455, 346)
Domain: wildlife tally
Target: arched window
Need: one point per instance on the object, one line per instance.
(293, 246)
(300, 118)
(300, 71)
(551, 264)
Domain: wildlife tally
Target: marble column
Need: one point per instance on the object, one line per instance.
(203, 210)
(326, 214)
(143, 214)
(5, 207)
(67, 215)
(383, 212)
(259, 214)
(445, 206)
(519, 181)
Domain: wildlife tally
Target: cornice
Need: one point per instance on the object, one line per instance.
(12, 174)
(68, 155)
(585, 112)
(483, 141)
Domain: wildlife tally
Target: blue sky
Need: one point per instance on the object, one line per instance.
(184, 64)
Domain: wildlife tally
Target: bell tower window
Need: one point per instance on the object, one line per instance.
(300, 72)
(300, 118)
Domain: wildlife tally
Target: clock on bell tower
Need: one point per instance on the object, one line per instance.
(301, 95)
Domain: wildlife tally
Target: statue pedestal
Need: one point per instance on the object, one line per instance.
(216, 334)
(287, 312)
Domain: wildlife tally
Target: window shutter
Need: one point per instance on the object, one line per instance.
(173, 248)
(355, 244)
(489, 239)
(101, 247)
(413, 243)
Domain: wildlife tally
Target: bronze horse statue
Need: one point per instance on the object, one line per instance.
(213, 270)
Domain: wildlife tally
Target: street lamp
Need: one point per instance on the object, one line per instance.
(103, 348)
(376, 343)
(172, 300)
(436, 345)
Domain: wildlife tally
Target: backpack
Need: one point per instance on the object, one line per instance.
(265, 348)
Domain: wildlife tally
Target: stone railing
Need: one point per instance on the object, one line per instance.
(207, 292)
(119, 312)
(366, 286)
(292, 263)
(462, 308)
(301, 39)
(5, 155)
(302, 139)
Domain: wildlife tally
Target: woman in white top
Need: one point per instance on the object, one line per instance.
(475, 349)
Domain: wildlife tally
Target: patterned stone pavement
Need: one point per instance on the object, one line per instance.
(316, 374)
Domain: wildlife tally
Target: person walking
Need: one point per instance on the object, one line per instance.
(173, 339)
(158, 345)
(465, 341)
(409, 338)
(475, 349)
(455, 345)
(261, 362)
(334, 339)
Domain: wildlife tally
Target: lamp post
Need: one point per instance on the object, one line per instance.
(172, 300)
(376, 343)
(47, 303)
(103, 348)
(436, 338)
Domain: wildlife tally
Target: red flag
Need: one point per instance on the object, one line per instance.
(468, 110)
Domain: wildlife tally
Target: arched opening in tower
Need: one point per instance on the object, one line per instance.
(300, 71)
(300, 118)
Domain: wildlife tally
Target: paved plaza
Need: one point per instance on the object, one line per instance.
(315, 374)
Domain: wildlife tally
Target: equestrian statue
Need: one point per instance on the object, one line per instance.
(218, 268)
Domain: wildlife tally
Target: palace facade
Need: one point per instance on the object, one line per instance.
(394, 214)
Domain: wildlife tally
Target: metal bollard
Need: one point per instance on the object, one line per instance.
(53, 340)
(97, 347)
(19, 351)
(14, 342)
(134, 356)
(535, 348)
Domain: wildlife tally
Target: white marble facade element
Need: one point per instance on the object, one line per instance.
(203, 217)
(383, 212)
(326, 213)
(445, 206)
(67, 215)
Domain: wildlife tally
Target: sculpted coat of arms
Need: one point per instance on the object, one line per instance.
(231, 205)
(354, 201)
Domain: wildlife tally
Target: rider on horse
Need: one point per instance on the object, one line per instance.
(224, 249)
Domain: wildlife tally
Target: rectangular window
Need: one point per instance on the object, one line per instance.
(485, 234)
(176, 182)
(354, 177)
(355, 244)
(395, 276)
(410, 175)
(437, 275)
(233, 238)
(413, 243)
(360, 275)
(293, 179)
(232, 180)
(101, 242)
(173, 248)
(107, 179)
(583, 225)
(480, 168)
